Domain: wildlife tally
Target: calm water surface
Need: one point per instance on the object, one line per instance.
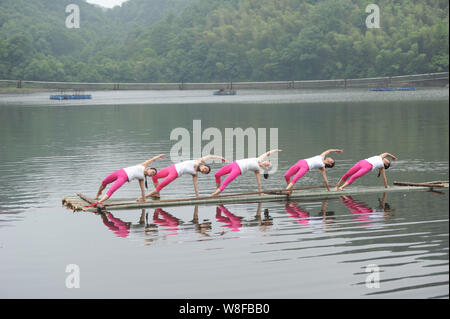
(303, 249)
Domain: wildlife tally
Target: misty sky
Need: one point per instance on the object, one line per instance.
(107, 3)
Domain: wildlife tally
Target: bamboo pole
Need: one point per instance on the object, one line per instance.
(267, 192)
(86, 199)
(419, 184)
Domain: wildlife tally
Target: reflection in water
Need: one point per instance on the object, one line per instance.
(333, 230)
(263, 223)
(365, 213)
(116, 225)
(235, 223)
(164, 223)
(304, 218)
(229, 220)
(299, 214)
(163, 218)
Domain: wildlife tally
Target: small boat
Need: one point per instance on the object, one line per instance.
(225, 92)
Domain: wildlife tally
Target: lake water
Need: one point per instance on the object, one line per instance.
(307, 249)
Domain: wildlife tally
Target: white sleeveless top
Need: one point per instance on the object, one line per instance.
(186, 167)
(376, 161)
(248, 164)
(135, 172)
(315, 162)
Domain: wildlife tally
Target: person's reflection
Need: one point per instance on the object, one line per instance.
(384, 208)
(364, 212)
(203, 227)
(359, 209)
(143, 218)
(119, 227)
(229, 220)
(150, 230)
(304, 218)
(163, 218)
(327, 217)
(263, 223)
(300, 215)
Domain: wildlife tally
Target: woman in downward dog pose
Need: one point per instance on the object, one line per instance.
(240, 167)
(364, 166)
(299, 169)
(121, 176)
(174, 171)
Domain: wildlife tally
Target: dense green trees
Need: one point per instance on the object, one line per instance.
(221, 40)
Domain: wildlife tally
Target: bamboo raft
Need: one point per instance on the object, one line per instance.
(78, 203)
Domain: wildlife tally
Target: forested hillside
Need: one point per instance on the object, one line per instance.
(221, 40)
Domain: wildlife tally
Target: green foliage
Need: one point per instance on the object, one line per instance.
(221, 40)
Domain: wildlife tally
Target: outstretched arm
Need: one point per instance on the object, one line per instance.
(333, 150)
(258, 180)
(383, 175)
(147, 162)
(263, 156)
(141, 185)
(194, 180)
(388, 154)
(207, 157)
(324, 176)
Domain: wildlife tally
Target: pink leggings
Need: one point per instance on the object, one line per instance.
(359, 209)
(358, 170)
(120, 177)
(119, 227)
(170, 174)
(231, 221)
(233, 169)
(301, 216)
(298, 169)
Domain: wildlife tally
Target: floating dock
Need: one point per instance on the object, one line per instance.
(391, 89)
(77, 94)
(79, 202)
(224, 92)
(71, 97)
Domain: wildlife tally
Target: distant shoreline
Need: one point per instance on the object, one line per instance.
(417, 80)
(22, 91)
